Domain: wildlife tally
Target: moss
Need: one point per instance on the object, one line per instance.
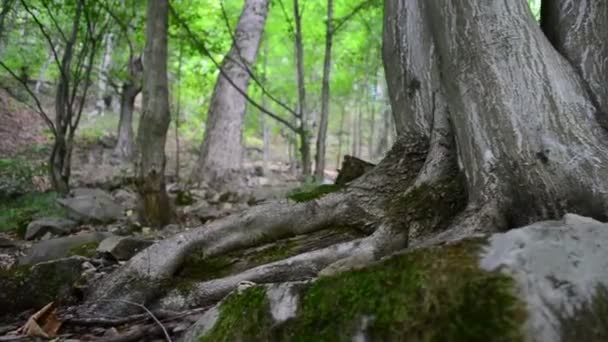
(200, 268)
(309, 193)
(436, 294)
(278, 251)
(87, 250)
(184, 197)
(430, 206)
(241, 317)
(17, 213)
(589, 322)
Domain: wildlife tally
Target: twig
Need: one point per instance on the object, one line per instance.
(145, 309)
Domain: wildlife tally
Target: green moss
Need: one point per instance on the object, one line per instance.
(431, 207)
(87, 250)
(278, 251)
(436, 294)
(16, 214)
(309, 193)
(589, 322)
(241, 318)
(200, 268)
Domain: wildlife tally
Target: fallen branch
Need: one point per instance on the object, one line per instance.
(147, 311)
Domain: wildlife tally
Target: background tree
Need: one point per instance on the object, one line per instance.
(221, 152)
(154, 123)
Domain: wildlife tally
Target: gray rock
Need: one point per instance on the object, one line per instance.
(123, 247)
(203, 325)
(558, 266)
(92, 205)
(125, 198)
(24, 287)
(59, 248)
(55, 226)
(5, 242)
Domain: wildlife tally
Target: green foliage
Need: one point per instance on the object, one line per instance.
(16, 214)
(16, 175)
(436, 294)
(311, 191)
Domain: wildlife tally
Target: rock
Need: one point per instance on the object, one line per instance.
(32, 287)
(60, 247)
(123, 247)
(561, 268)
(203, 325)
(92, 206)
(55, 226)
(204, 212)
(125, 198)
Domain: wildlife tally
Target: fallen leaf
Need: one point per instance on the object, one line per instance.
(43, 323)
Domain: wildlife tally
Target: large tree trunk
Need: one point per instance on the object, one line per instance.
(322, 137)
(222, 151)
(483, 102)
(154, 121)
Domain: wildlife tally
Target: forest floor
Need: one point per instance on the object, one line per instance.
(35, 229)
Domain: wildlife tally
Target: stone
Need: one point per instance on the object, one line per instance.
(92, 206)
(6, 242)
(59, 247)
(55, 226)
(203, 325)
(24, 287)
(126, 198)
(123, 247)
(559, 267)
(283, 299)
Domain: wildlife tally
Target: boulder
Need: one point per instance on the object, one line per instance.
(125, 198)
(92, 206)
(32, 287)
(123, 247)
(60, 247)
(55, 226)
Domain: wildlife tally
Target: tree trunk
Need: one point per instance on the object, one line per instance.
(155, 118)
(104, 69)
(221, 152)
(322, 137)
(496, 129)
(124, 148)
(304, 128)
(340, 138)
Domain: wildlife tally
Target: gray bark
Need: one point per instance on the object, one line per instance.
(221, 151)
(124, 148)
(155, 118)
(322, 136)
(577, 29)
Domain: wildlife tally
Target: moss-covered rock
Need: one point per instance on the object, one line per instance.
(31, 287)
(436, 294)
(87, 250)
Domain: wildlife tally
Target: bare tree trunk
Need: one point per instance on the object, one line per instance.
(104, 68)
(124, 148)
(303, 114)
(322, 137)
(221, 151)
(155, 118)
(340, 138)
(265, 127)
(178, 109)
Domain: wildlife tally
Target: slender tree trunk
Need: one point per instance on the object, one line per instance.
(155, 118)
(178, 108)
(263, 124)
(340, 138)
(104, 68)
(221, 152)
(304, 130)
(124, 148)
(325, 103)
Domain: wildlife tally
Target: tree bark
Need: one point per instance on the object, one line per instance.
(322, 137)
(131, 87)
(221, 152)
(155, 118)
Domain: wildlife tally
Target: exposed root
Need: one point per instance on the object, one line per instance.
(334, 259)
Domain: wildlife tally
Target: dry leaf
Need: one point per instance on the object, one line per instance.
(43, 323)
